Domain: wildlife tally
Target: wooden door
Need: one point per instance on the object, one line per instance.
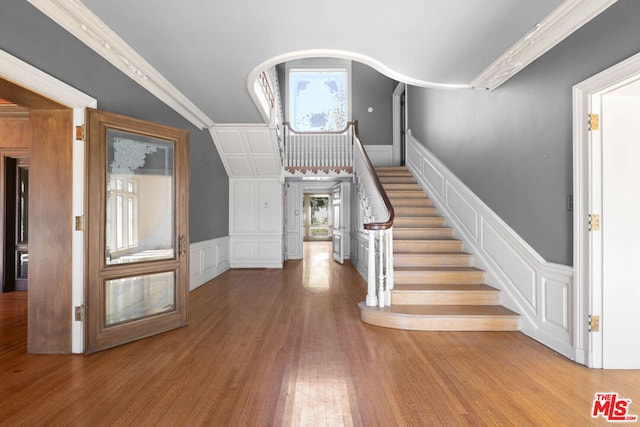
(137, 229)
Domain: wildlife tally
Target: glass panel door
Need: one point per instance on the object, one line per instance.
(136, 229)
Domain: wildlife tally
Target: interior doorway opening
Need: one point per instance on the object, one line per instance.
(318, 218)
(15, 195)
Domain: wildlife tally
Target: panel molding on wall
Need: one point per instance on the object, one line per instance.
(248, 150)
(538, 290)
(255, 223)
(208, 259)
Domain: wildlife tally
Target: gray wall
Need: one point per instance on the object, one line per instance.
(513, 146)
(29, 35)
(372, 89)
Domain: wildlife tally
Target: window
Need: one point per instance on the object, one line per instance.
(318, 99)
(122, 216)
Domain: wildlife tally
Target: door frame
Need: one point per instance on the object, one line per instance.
(38, 82)
(587, 190)
(397, 127)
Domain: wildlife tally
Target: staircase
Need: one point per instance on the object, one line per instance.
(436, 286)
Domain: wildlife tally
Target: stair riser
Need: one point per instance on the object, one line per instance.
(424, 203)
(414, 211)
(422, 246)
(397, 180)
(427, 233)
(426, 260)
(413, 323)
(401, 187)
(394, 194)
(419, 222)
(438, 277)
(393, 170)
(445, 298)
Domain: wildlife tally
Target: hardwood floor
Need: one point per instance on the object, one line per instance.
(286, 347)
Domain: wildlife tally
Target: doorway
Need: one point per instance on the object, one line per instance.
(605, 232)
(15, 194)
(399, 107)
(318, 217)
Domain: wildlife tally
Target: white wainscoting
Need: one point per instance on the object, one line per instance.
(380, 155)
(538, 290)
(208, 259)
(256, 223)
(360, 253)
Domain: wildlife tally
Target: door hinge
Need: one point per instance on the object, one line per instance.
(594, 222)
(594, 323)
(594, 121)
(79, 313)
(80, 223)
(80, 133)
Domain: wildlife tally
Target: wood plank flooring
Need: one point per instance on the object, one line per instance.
(287, 348)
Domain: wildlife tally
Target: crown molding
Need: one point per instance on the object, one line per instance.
(76, 18)
(555, 27)
(19, 72)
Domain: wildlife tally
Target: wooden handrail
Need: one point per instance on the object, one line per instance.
(323, 132)
(374, 225)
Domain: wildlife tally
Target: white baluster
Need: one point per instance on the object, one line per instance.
(381, 268)
(372, 300)
(389, 267)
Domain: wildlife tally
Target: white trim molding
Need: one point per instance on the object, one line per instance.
(538, 290)
(339, 54)
(76, 18)
(29, 77)
(555, 27)
(208, 259)
(588, 284)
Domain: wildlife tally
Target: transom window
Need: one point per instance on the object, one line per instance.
(318, 99)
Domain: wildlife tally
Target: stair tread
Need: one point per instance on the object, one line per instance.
(439, 269)
(440, 239)
(448, 310)
(444, 288)
(431, 254)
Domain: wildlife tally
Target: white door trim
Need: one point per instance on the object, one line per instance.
(395, 106)
(587, 259)
(29, 77)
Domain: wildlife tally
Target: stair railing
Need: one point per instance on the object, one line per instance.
(378, 223)
(317, 151)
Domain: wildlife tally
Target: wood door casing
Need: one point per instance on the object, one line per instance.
(50, 222)
(98, 334)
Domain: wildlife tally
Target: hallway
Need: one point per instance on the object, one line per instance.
(286, 347)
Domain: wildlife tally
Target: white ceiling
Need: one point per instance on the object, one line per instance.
(207, 48)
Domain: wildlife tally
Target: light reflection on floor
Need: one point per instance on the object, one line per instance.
(318, 395)
(317, 256)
